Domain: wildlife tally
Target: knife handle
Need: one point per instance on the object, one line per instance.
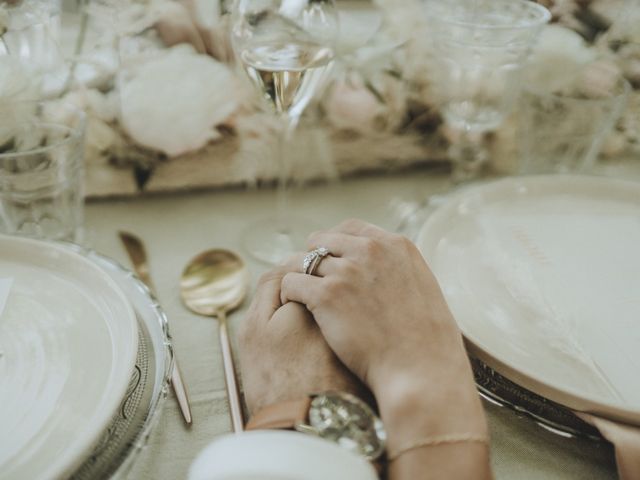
(235, 406)
(138, 256)
(181, 392)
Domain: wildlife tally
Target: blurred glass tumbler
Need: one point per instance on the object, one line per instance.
(561, 134)
(41, 170)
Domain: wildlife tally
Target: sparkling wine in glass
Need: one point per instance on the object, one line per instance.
(286, 48)
(289, 74)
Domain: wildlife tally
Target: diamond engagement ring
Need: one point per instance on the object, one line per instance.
(312, 260)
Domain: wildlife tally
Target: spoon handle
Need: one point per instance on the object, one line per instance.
(230, 376)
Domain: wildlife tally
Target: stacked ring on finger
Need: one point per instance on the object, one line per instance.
(312, 260)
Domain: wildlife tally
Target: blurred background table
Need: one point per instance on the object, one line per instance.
(176, 227)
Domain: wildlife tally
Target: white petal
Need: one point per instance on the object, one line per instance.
(174, 103)
(557, 58)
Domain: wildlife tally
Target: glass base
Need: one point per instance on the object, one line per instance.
(272, 242)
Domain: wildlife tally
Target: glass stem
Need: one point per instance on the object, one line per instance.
(285, 164)
(79, 45)
(469, 156)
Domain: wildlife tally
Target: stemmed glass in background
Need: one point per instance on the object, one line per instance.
(287, 49)
(34, 33)
(562, 133)
(480, 47)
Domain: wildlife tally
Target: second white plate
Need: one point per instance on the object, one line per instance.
(543, 276)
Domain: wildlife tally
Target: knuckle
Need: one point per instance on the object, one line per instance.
(292, 262)
(349, 221)
(371, 247)
(350, 224)
(394, 237)
(404, 242)
(286, 284)
(329, 290)
(286, 279)
(336, 286)
(266, 278)
(349, 268)
(313, 238)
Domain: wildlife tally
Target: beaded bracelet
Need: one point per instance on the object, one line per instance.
(439, 440)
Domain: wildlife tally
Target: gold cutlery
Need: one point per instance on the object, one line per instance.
(213, 284)
(138, 256)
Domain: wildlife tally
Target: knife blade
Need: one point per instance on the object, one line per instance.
(138, 256)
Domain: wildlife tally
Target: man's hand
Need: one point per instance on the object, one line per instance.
(283, 354)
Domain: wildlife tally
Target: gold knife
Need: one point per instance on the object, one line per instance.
(138, 256)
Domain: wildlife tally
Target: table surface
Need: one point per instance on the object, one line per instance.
(176, 227)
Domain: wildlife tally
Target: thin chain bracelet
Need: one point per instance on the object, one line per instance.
(439, 440)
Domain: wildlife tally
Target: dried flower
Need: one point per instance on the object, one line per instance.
(629, 60)
(176, 26)
(557, 59)
(599, 79)
(352, 106)
(166, 110)
(101, 112)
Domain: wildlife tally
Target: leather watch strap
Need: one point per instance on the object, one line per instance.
(281, 415)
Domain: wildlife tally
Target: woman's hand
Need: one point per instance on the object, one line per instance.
(382, 312)
(377, 303)
(283, 354)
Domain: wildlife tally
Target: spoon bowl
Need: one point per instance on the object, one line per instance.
(214, 280)
(213, 284)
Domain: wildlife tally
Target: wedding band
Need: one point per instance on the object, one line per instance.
(321, 252)
(308, 260)
(312, 260)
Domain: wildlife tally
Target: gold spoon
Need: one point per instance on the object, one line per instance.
(213, 284)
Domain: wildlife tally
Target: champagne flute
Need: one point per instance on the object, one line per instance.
(287, 49)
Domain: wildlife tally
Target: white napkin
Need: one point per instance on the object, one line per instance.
(5, 287)
(278, 455)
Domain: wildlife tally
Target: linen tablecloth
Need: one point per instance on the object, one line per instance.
(176, 227)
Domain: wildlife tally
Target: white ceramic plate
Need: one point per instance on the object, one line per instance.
(543, 276)
(129, 432)
(68, 338)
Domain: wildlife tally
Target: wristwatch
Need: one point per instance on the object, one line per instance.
(335, 416)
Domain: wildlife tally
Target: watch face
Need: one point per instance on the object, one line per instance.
(349, 422)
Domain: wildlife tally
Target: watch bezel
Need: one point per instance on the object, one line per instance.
(342, 397)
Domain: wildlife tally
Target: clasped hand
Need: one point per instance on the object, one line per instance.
(372, 317)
